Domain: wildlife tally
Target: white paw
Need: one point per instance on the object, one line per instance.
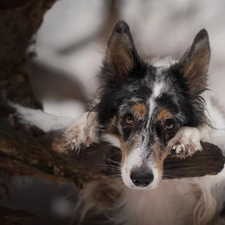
(185, 143)
(83, 133)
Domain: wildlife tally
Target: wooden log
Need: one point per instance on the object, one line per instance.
(27, 150)
(210, 161)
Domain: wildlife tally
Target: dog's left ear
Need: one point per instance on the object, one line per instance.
(195, 63)
(121, 55)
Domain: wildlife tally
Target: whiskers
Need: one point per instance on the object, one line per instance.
(111, 167)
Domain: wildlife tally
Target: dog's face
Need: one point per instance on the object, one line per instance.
(143, 106)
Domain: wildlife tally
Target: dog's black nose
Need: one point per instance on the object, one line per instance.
(141, 178)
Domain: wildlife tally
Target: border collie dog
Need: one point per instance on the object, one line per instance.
(148, 112)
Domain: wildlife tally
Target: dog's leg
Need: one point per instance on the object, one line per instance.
(84, 132)
(187, 141)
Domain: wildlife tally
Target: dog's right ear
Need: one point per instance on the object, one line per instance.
(121, 55)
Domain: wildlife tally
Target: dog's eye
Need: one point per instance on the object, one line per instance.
(128, 119)
(169, 124)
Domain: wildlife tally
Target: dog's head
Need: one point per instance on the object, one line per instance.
(143, 106)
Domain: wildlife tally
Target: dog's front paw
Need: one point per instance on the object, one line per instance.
(83, 133)
(185, 143)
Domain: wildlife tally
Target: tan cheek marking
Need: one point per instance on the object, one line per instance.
(164, 114)
(127, 148)
(110, 128)
(139, 109)
(111, 125)
(125, 151)
(159, 158)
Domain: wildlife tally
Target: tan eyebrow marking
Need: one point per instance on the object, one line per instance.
(139, 109)
(128, 147)
(164, 114)
(111, 125)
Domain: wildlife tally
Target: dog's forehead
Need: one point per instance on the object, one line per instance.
(158, 81)
(153, 99)
(161, 89)
(148, 89)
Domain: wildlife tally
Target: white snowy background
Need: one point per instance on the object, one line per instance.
(159, 28)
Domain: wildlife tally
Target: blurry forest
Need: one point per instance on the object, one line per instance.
(67, 52)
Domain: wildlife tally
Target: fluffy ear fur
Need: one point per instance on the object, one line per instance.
(195, 63)
(121, 54)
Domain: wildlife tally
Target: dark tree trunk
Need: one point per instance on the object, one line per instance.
(19, 21)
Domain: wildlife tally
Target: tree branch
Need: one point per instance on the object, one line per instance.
(25, 149)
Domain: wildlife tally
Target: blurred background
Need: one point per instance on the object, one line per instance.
(70, 46)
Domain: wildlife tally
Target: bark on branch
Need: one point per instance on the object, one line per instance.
(27, 150)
